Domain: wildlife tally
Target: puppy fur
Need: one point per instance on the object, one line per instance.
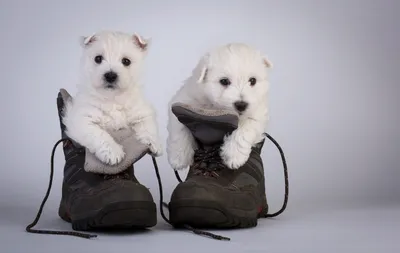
(110, 97)
(233, 77)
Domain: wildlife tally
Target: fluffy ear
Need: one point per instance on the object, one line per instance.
(202, 69)
(267, 63)
(141, 42)
(86, 40)
(203, 74)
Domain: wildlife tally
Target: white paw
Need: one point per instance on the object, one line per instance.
(181, 159)
(156, 149)
(110, 154)
(233, 154)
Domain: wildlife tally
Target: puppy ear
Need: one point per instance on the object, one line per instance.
(267, 63)
(86, 40)
(203, 74)
(202, 69)
(141, 42)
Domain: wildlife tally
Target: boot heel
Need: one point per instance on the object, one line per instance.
(63, 213)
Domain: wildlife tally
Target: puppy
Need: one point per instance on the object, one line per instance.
(109, 96)
(233, 76)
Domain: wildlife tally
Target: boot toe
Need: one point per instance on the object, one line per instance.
(205, 205)
(112, 204)
(110, 193)
(209, 192)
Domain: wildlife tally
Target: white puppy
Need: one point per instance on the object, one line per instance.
(109, 96)
(233, 76)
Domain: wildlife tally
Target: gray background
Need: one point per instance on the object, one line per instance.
(334, 109)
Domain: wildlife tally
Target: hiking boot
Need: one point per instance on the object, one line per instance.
(91, 200)
(214, 196)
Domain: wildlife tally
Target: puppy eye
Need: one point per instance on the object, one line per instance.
(252, 81)
(126, 62)
(98, 59)
(224, 81)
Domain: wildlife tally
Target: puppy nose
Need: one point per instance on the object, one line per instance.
(240, 105)
(110, 76)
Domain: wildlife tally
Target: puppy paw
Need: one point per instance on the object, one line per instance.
(156, 149)
(233, 153)
(180, 159)
(111, 154)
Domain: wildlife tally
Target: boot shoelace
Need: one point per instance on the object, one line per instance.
(122, 175)
(208, 162)
(201, 157)
(30, 228)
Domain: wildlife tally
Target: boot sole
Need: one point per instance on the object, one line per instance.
(208, 214)
(115, 215)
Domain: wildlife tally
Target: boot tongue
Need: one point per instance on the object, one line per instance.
(207, 126)
(134, 149)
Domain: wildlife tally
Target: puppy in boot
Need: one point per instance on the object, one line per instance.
(231, 77)
(109, 97)
(105, 129)
(216, 128)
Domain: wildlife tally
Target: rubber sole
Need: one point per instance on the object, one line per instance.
(115, 215)
(208, 214)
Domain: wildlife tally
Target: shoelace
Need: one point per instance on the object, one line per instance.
(208, 162)
(211, 153)
(286, 178)
(122, 175)
(29, 228)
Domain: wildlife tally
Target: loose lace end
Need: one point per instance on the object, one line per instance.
(208, 234)
(52, 232)
(30, 229)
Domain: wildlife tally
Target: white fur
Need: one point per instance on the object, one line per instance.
(238, 62)
(96, 110)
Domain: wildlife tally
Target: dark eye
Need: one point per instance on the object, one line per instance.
(98, 59)
(126, 62)
(252, 81)
(224, 81)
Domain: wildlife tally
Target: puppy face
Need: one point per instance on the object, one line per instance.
(234, 76)
(112, 61)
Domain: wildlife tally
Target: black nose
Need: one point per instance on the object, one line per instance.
(110, 76)
(240, 105)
